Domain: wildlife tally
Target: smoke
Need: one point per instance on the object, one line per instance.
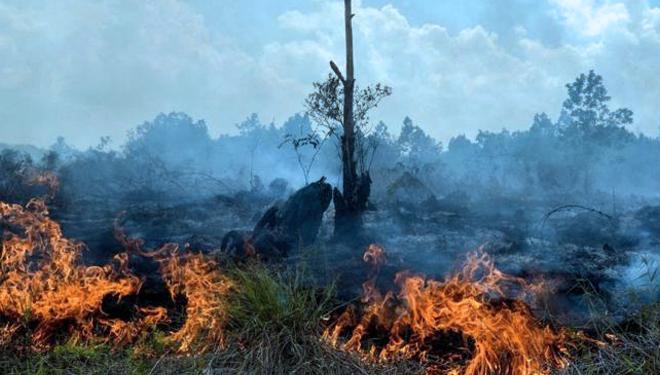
(574, 198)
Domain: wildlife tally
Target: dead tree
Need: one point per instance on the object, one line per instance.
(342, 109)
(348, 203)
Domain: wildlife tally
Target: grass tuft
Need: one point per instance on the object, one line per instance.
(267, 300)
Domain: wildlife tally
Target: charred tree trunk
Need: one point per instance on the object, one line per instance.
(351, 202)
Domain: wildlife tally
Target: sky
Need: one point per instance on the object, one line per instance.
(86, 69)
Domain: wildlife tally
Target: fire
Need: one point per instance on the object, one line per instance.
(374, 255)
(475, 322)
(501, 334)
(45, 285)
(205, 288)
(43, 280)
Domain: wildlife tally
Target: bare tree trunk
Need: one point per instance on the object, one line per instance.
(351, 202)
(348, 139)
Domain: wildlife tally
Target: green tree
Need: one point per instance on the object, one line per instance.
(587, 125)
(586, 116)
(418, 149)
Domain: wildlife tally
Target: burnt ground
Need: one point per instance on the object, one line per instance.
(580, 250)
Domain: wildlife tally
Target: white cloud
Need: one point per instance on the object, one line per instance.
(450, 83)
(589, 18)
(461, 82)
(86, 69)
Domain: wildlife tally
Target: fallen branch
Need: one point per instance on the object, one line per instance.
(572, 206)
(569, 207)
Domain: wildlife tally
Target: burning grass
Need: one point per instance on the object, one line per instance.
(274, 327)
(254, 319)
(45, 287)
(466, 324)
(46, 292)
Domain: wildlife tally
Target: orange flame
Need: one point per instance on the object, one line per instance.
(505, 337)
(374, 255)
(43, 282)
(205, 289)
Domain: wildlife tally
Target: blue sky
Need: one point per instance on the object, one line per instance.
(86, 69)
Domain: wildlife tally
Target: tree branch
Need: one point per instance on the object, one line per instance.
(335, 69)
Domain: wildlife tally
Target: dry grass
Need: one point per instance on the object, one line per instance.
(630, 348)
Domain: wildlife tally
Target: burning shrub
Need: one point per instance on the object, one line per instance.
(19, 177)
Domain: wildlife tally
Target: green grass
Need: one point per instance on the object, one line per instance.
(64, 359)
(631, 347)
(276, 301)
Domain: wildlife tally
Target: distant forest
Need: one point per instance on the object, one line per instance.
(587, 151)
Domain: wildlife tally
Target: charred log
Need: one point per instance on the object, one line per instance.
(284, 226)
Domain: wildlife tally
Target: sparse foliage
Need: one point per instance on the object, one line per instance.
(298, 143)
(325, 104)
